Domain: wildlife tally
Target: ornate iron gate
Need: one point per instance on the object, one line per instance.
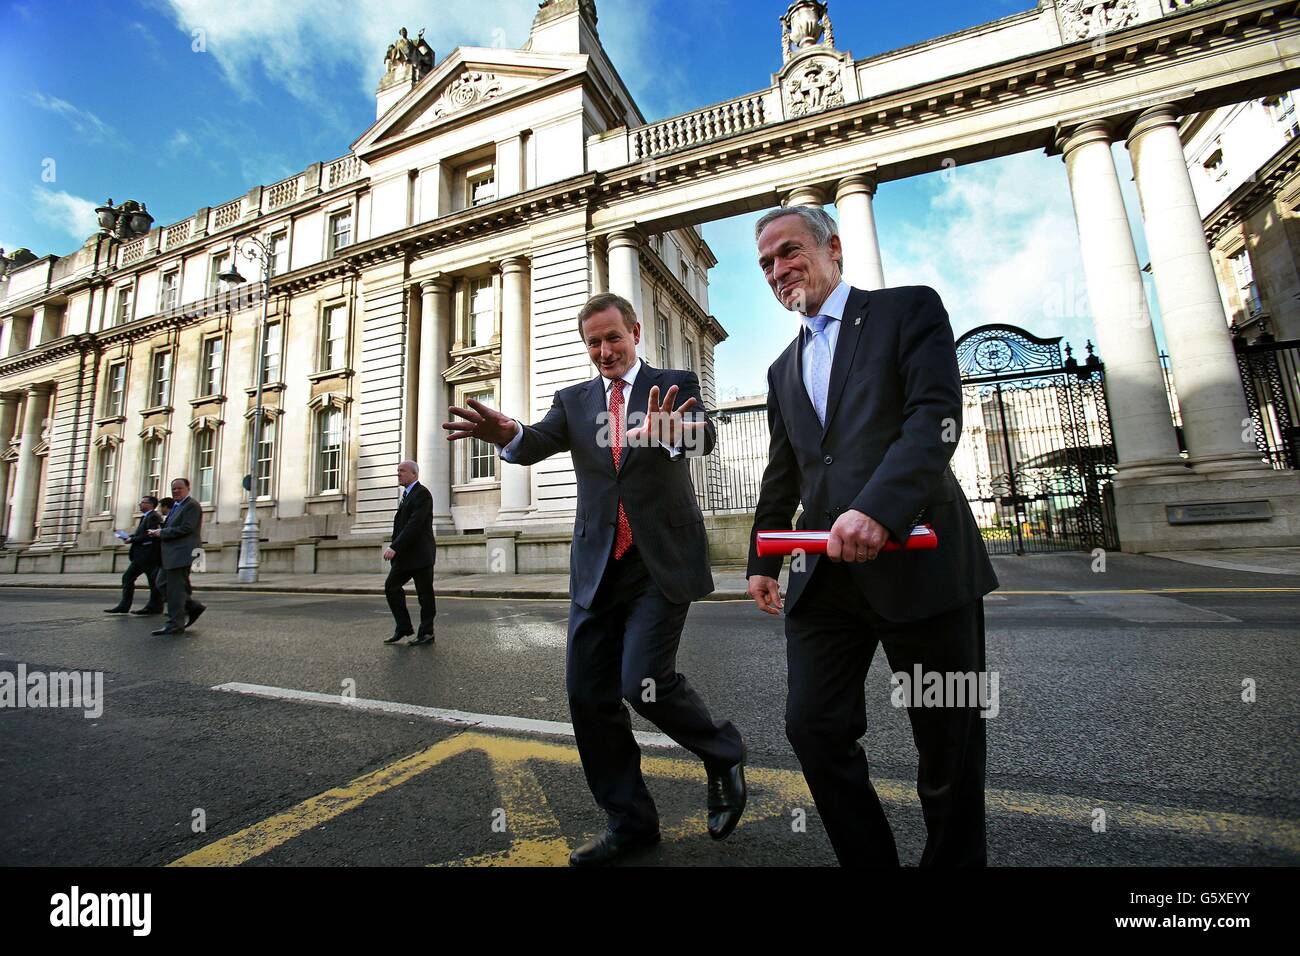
(1036, 455)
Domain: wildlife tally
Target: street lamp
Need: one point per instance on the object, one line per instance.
(254, 250)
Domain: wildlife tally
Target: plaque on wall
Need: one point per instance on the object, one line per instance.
(1216, 511)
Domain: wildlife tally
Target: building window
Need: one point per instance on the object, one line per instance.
(115, 390)
(480, 456)
(329, 451)
(688, 358)
(107, 476)
(266, 458)
(210, 367)
(333, 338)
(661, 340)
(219, 263)
(271, 353)
(1244, 276)
(279, 246)
(169, 291)
(1282, 109)
(122, 308)
(152, 467)
(340, 230)
(1215, 168)
(160, 379)
(480, 186)
(482, 311)
(686, 278)
(205, 465)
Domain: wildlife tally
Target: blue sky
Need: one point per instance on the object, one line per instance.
(187, 103)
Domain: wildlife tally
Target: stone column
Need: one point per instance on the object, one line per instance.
(8, 418)
(1145, 441)
(853, 200)
(597, 268)
(516, 481)
(805, 196)
(1200, 348)
(433, 451)
(22, 521)
(625, 275)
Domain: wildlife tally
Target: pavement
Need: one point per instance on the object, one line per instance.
(1058, 571)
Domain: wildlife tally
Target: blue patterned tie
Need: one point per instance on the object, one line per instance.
(821, 364)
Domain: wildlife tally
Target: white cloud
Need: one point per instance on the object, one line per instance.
(298, 44)
(70, 214)
(86, 123)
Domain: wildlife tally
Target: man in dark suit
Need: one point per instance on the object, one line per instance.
(180, 534)
(145, 557)
(864, 408)
(413, 552)
(639, 558)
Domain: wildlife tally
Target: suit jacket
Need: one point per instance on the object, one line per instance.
(181, 534)
(893, 416)
(144, 549)
(656, 490)
(413, 530)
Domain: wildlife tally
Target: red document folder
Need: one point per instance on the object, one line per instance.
(772, 543)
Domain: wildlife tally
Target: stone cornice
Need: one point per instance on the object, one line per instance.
(1266, 183)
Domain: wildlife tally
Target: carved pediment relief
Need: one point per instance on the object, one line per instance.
(816, 82)
(469, 89)
(1081, 19)
(473, 367)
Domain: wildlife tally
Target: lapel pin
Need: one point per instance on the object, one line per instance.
(859, 321)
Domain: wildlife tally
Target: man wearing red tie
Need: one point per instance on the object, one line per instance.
(639, 558)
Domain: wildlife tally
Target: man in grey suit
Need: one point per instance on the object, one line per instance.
(180, 536)
(640, 556)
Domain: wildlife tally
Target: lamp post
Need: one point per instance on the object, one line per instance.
(254, 250)
(127, 221)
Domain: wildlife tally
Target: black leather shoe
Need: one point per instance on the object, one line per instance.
(727, 798)
(422, 638)
(611, 846)
(169, 630)
(116, 610)
(397, 636)
(148, 611)
(194, 614)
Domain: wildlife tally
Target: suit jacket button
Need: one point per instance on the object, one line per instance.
(828, 460)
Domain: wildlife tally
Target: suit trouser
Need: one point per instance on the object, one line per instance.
(150, 570)
(624, 647)
(177, 591)
(831, 637)
(423, 578)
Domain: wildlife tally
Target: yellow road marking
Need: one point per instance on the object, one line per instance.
(537, 839)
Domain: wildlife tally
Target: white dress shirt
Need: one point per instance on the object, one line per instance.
(833, 308)
(629, 377)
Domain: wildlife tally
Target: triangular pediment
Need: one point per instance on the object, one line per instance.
(471, 79)
(473, 367)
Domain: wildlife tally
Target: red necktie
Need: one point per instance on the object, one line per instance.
(623, 531)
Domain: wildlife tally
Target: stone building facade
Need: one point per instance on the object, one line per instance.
(129, 362)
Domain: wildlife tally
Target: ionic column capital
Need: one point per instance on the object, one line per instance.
(1093, 131)
(853, 185)
(1166, 114)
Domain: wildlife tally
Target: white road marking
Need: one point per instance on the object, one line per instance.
(460, 718)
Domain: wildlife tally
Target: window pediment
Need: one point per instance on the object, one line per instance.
(473, 367)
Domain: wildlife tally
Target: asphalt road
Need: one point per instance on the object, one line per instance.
(1128, 703)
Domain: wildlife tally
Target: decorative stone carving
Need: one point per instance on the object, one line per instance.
(805, 24)
(815, 85)
(1082, 19)
(468, 89)
(407, 56)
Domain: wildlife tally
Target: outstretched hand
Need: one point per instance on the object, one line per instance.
(665, 424)
(480, 421)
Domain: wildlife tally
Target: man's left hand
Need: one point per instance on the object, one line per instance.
(666, 424)
(856, 537)
(389, 554)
